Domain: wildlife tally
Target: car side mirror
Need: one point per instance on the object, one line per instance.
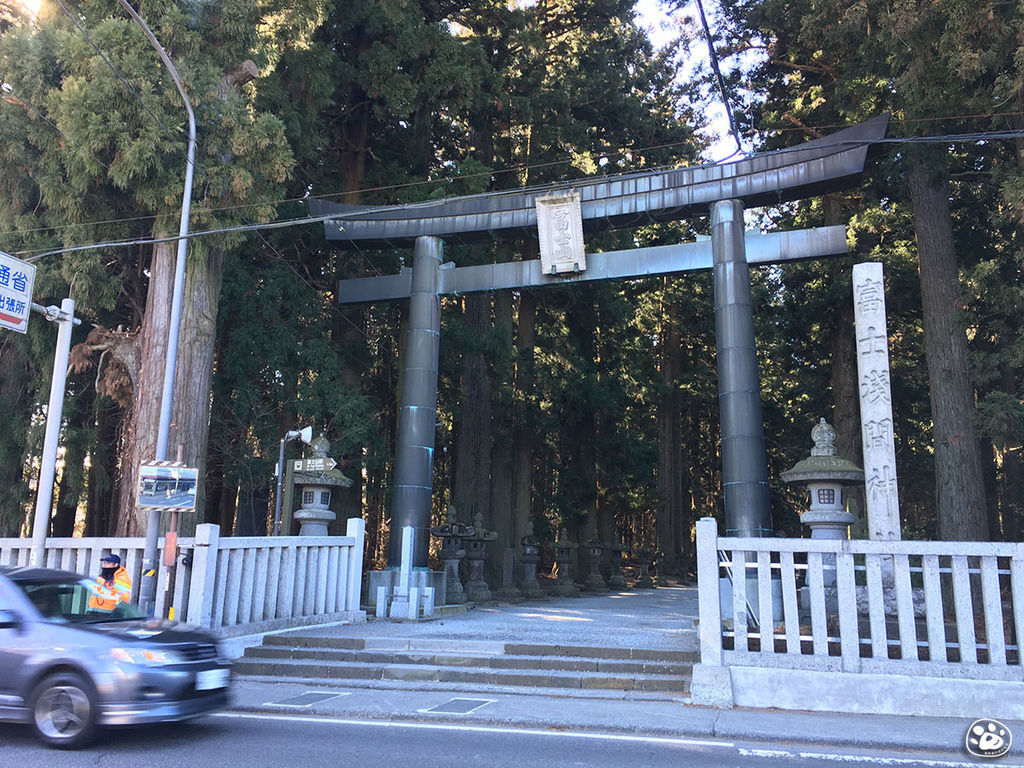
(10, 619)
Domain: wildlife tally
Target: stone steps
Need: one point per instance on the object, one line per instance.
(478, 666)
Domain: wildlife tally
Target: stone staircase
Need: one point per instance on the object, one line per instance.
(478, 666)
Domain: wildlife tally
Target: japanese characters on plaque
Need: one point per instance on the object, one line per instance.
(560, 231)
(16, 280)
(881, 490)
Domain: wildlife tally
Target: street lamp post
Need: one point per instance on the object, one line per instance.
(147, 591)
(305, 435)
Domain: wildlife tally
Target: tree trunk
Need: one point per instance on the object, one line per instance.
(79, 414)
(502, 520)
(103, 479)
(191, 409)
(473, 429)
(522, 440)
(846, 409)
(15, 403)
(670, 467)
(251, 515)
(958, 476)
(1012, 491)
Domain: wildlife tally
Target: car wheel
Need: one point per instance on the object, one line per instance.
(64, 710)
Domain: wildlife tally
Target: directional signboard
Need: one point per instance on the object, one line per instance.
(16, 280)
(167, 485)
(314, 465)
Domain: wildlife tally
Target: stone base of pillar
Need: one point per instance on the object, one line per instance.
(478, 592)
(454, 595)
(534, 592)
(530, 586)
(595, 583)
(509, 594)
(645, 581)
(389, 579)
(565, 589)
(617, 581)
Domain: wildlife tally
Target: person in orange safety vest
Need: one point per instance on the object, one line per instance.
(115, 585)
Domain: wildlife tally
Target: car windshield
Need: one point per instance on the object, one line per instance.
(74, 601)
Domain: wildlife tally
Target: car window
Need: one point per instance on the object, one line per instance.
(68, 601)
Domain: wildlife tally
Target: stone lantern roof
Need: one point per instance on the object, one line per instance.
(823, 464)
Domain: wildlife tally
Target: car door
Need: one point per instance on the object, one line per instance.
(16, 620)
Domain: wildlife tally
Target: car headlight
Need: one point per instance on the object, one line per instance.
(147, 657)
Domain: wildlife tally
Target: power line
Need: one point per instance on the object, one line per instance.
(530, 166)
(285, 223)
(36, 255)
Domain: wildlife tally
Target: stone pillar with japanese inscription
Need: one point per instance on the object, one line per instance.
(881, 490)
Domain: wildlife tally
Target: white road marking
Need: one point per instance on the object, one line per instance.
(833, 757)
(478, 729)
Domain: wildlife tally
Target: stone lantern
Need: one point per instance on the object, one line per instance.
(825, 474)
(315, 486)
(617, 579)
(595, 582)
(452, 534)
(564, 587)
(476, 552)
(530, 557)
(644, 558)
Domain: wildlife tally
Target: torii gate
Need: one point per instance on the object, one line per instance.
(816, 167)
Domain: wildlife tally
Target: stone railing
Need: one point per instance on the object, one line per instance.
(233, 585)
(905, 627)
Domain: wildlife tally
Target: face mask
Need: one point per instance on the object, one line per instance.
(108, 572)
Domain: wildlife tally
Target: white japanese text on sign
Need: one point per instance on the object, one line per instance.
(16, 280)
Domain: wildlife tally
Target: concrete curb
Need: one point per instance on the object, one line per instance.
(664, 719)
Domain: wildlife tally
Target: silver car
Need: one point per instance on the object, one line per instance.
(68, 669)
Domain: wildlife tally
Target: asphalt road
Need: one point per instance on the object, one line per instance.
(246, 740)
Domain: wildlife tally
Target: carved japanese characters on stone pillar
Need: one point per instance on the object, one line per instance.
(875, 402)
(560, 230)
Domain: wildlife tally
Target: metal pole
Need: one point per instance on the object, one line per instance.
(744, 460)
(54, 411)
(414, 461)
(280, 483)
(147, 591)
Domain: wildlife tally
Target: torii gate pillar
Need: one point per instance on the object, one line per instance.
(417, 413)
(744, 460)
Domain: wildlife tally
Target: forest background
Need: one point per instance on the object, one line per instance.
(591, 407)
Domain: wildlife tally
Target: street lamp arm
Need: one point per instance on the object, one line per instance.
(164, 58)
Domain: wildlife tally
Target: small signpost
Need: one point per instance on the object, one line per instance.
(16, 280)
(314, 465)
